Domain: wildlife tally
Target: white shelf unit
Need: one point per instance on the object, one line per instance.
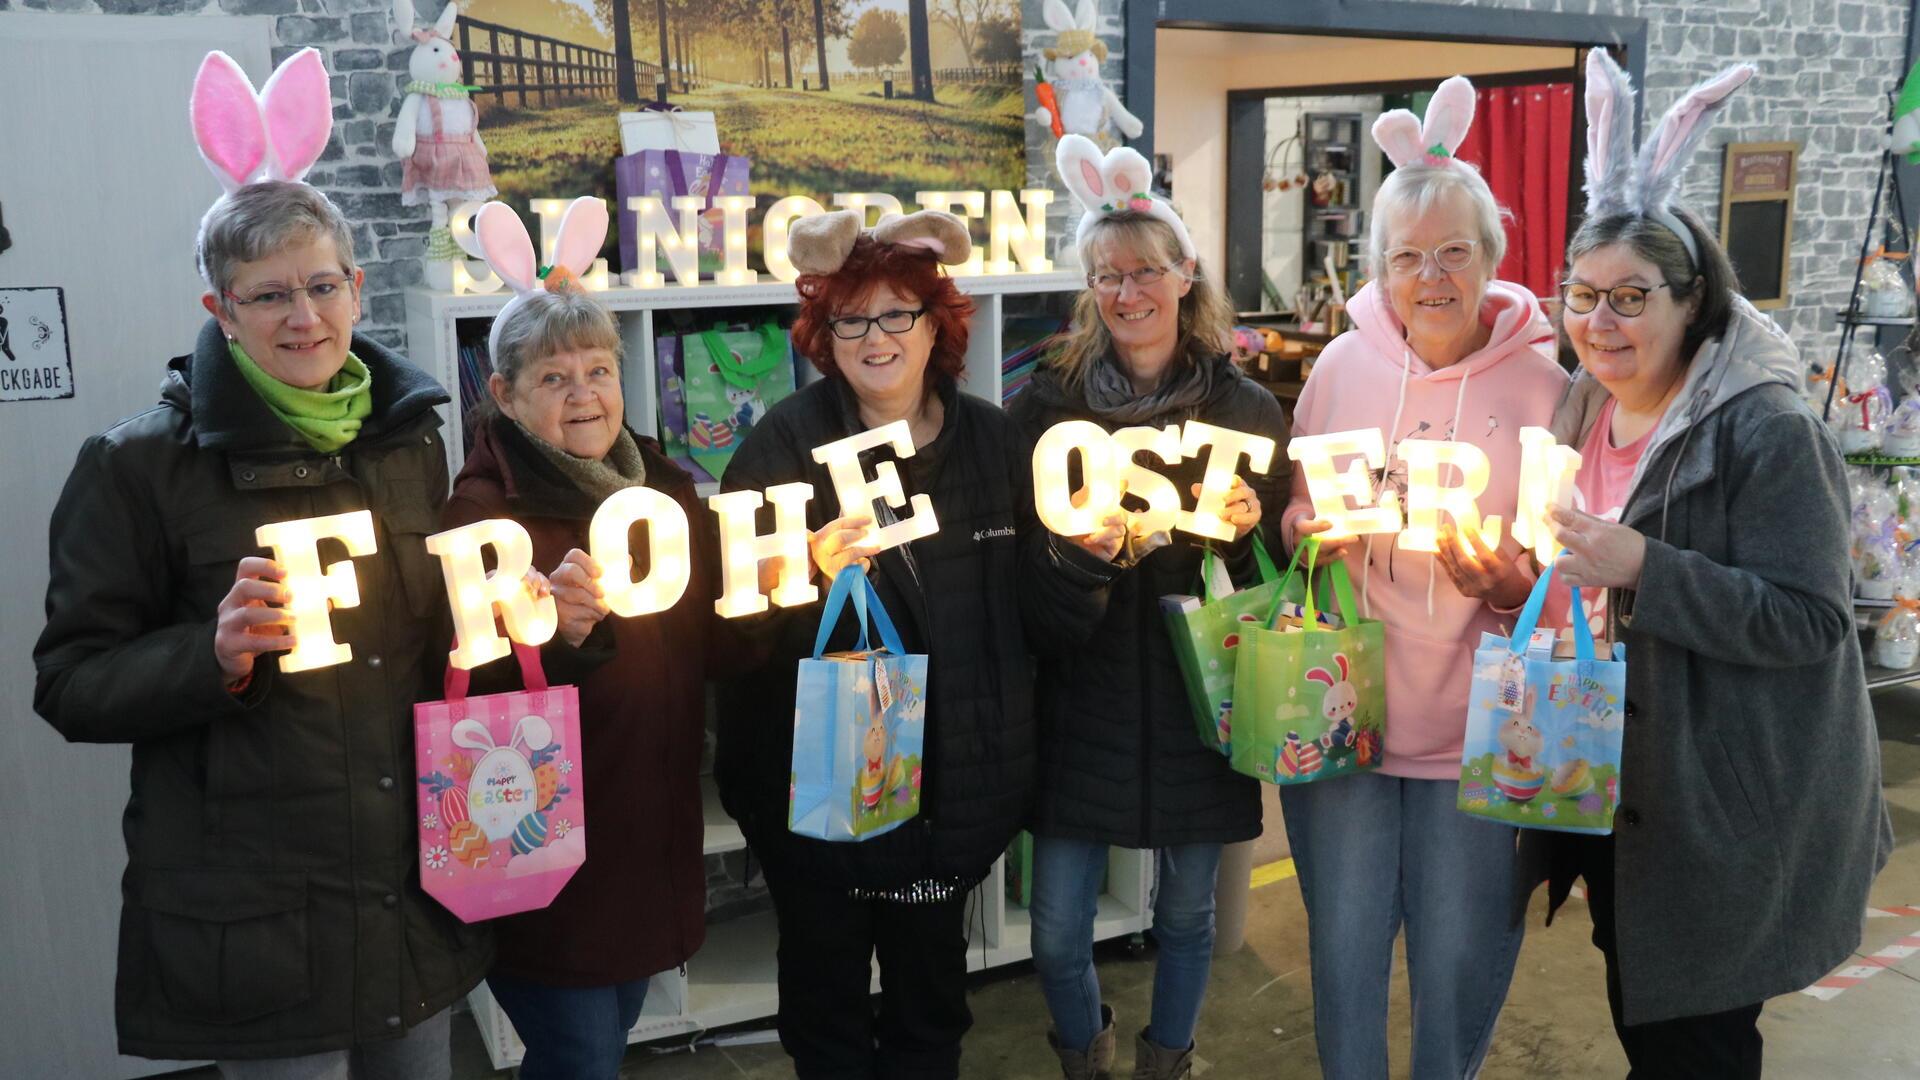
(732, 979)
(433, 337)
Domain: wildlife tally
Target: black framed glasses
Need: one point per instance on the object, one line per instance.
(855, 327)
(1626, 301)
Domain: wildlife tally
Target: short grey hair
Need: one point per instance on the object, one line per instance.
(545, 323)
(1412, 191)
(262, 218)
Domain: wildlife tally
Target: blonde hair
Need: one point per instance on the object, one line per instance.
(1206, 319)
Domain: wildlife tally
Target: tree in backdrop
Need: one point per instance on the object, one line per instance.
(878, 40)
(997, 42)
(920, 46)
(966, 18)
(616, 15)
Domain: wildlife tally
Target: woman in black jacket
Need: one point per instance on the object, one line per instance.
(890, 332)
(272, 915)
(1119, 761)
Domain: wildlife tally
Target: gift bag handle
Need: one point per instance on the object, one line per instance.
(1530, 618)
(1209, 557)
(1307, 547)
(533, 675)
(852, 583)
(1342, 591)
(746, 373)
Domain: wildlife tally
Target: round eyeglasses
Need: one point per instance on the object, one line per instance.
(855, 327)
(1626, 301)
(1450, 257)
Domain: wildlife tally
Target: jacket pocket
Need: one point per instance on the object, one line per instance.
(1728, 789)
(228, 946)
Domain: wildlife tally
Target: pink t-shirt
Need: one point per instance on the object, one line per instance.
(1601, 489)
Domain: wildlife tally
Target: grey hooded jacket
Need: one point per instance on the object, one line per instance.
(1751, 822)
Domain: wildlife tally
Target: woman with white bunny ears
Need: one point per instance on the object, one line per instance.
(1119, 761)
(1751, 822)
(551, 447)
(1440, 349)
(272, 915)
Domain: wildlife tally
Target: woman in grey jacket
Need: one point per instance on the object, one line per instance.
(1751, 823)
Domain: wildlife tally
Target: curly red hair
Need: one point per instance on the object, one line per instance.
(908, 271)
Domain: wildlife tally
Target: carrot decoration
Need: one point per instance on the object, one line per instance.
(1043, 90)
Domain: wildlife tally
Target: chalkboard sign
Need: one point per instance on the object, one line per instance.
(1756, 217)
(1755, 235)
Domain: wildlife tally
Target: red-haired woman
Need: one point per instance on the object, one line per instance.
(889, 331)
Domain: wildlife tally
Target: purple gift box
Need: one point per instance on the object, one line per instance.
(665, 174)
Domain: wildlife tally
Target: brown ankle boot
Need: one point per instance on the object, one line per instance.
(1093, 1063)
(1151, 1062)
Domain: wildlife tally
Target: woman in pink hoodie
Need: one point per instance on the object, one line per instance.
(1439, 350)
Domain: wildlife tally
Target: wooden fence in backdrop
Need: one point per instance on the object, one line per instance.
(503, 61)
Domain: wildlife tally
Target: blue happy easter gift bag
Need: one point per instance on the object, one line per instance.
(859, 725)
(1543, 740)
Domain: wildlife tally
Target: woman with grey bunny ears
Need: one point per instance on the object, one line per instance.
(1751, 822)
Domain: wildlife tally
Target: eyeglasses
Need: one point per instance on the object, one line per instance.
(328, 292)
(1143, 277)
(855, 327)
(1450, 257)
(1625, 300)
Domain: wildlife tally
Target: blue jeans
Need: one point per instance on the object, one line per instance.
(1066, 888)
(572, 1033)
(1375, 852)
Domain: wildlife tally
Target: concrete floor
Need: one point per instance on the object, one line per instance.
(1259, 1019)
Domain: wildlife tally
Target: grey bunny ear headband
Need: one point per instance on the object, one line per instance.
(1646, 184)
(821, 243)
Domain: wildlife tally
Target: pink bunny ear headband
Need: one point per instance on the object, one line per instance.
(276, 134)
(1112, 183)
(821, 243)
(1647, 185)
(504, 243)
(1408, 141)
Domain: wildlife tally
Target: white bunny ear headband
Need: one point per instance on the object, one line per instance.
(276, 134)
(821, 243)
(1408, 141)
(504, 243)
(1116, 182)
(1619, 182)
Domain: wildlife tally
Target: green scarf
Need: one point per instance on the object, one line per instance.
(328, 419)
(455, 91)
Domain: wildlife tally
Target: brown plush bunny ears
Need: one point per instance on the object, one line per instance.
(821, 243)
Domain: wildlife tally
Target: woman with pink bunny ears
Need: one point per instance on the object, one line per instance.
(272, 918)
(1751, 822)
(551, 447)
(1440, 349)
(1118, 758)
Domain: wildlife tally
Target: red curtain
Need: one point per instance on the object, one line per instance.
(1522, 142)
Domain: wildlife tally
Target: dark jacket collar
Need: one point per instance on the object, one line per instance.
(533, 487)
(228, 415)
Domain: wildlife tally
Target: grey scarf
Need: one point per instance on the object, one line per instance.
(621, 468)
(1111, 396)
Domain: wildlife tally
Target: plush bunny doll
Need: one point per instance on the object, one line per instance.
(437, 135)
(1081, 101)
(503, 241)
(1112, 183)
(276, 134)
